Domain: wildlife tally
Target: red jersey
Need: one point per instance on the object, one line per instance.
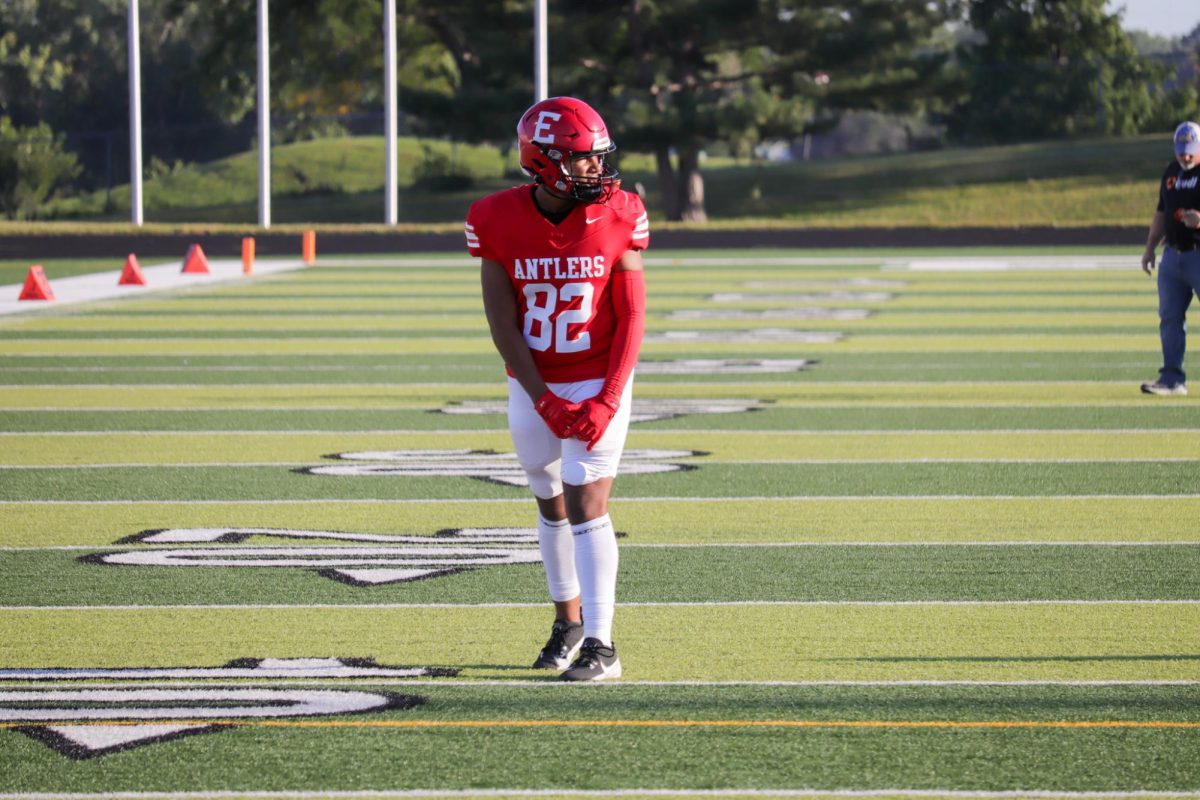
(560, 273)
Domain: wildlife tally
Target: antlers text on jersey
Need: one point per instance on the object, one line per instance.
(558, 269)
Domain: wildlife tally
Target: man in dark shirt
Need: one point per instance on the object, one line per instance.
(1177, 222)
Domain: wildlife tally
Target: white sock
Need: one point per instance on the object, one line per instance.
(558, 556)
(596, 564)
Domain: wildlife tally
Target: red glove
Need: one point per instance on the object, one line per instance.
(558, 413)
(593, 421)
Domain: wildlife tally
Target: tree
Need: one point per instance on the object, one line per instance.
(675, 76)
(1054, 68)
(487, 81)
(65, 63)
(33, 165)
(684, 74)
(326, 57)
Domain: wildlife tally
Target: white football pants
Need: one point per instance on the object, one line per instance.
(550, 461)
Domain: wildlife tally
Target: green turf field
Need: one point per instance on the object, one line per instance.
(892, 525)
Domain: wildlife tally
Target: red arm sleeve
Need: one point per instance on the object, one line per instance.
(629, 301)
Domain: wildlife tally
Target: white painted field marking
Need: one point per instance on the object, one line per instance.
(701, 545)
(838, 314)
(722, 366)
(104, 286)
(644, 409)
(259, 668)
(401, 559)
(633, 604)
(794, 432)
(809, 297)
(542, 683)
(759, 336)
(86, 723)
(804, 283)
(484, 465)
(387, 368)
(432, 794)
(618, 501)
(513, 476)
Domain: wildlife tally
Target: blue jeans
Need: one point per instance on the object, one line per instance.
(1178, 280)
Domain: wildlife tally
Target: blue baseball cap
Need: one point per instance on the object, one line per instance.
(1187, 139)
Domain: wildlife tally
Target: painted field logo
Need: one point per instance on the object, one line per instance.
(837, 314)
(642, 411)
(85, 723)
(724, 366)
(807, 297)
(755, 336)
(484, 465)
(392, 559)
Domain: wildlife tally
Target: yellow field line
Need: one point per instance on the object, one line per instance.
(642, 723)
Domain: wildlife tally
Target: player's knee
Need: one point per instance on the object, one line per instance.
(581, 473)
(545, 480)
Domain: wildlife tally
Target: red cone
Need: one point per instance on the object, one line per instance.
(132, 275)
(36, 286)
(194, 261)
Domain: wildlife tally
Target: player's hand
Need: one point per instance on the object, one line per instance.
(1148, 261)
(593, 421)
(559, 414)
(1189, 217)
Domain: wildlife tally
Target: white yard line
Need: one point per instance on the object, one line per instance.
(952, 794)
(616, 501)
(870, 462)
(467, 683)
(634, 604)
(699, 545)
(400, 404)
(736, 432)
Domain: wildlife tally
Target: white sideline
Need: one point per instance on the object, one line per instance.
(632, 604)
(954, 794)
(104, 286)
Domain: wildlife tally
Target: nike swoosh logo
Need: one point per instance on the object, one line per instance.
(594, 219)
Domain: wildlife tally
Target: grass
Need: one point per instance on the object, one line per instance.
(817, 573)
(673, 757)
(340, 181)
(955, 552)
(840, 642)
(691, 521)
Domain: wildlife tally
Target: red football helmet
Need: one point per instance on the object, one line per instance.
(557, 130)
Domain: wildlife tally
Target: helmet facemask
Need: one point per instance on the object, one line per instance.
(584, 188)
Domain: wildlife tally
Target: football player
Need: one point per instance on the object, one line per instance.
(565, 299)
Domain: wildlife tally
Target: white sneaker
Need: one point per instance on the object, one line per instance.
(1164, 388)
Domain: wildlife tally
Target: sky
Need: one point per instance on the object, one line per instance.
(1169, 18)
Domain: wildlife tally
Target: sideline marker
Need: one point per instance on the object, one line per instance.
(248, 255)
(132, 274)
(36, 286)
(195, 262)
(308, 247)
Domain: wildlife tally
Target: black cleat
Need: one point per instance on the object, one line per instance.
(564, 642)
(596, 662)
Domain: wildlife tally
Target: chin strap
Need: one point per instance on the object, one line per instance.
(629, 301)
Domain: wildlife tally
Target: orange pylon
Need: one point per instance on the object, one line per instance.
(248, 255)
(308, 247)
